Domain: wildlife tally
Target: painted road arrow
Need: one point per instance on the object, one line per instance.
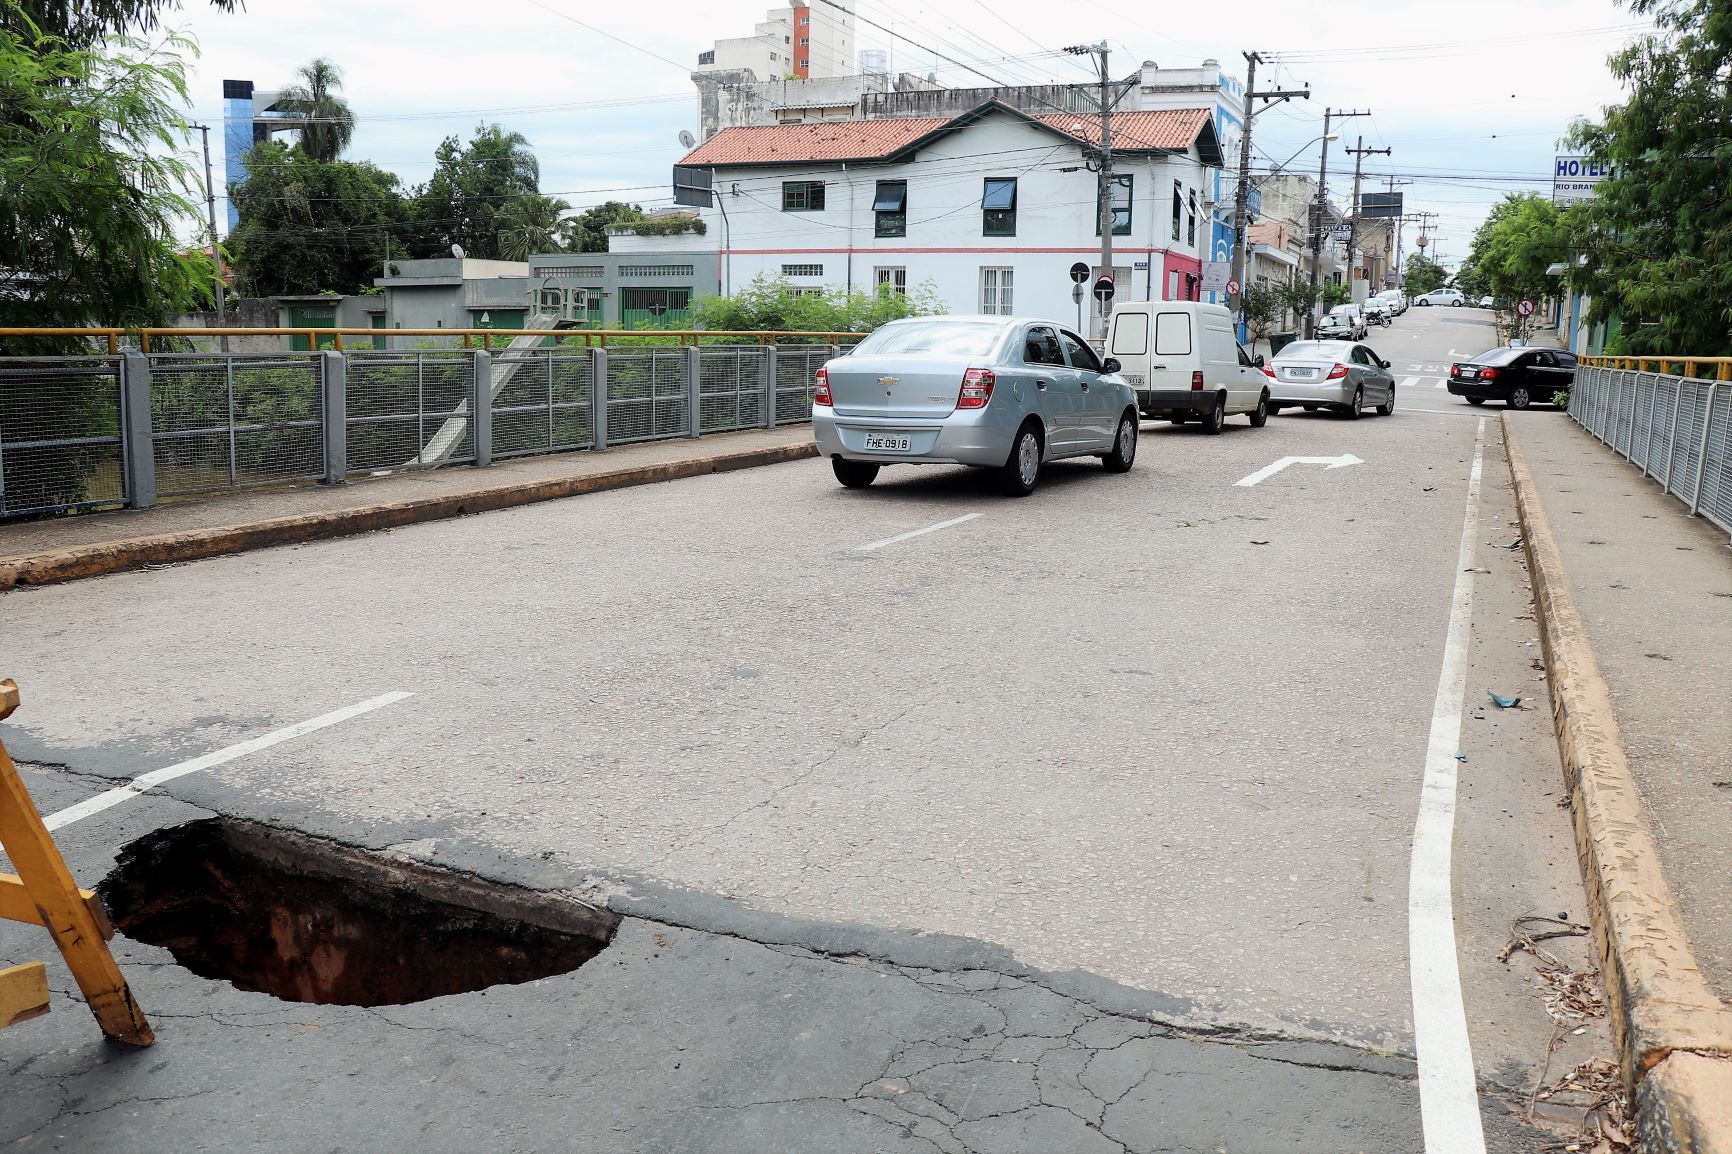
(1268, 471)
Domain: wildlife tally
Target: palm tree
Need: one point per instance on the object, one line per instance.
(531, 224)
(327, 124)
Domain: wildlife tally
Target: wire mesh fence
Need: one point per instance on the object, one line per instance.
(731, 388)
(646, 395)
(61, 447)
(409, 409)
(230, 422)
(1678, 430)
(796, 367)
(543, 401)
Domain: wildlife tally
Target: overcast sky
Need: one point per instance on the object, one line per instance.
(1472, 95)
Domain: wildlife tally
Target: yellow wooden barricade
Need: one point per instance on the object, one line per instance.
(43, 893)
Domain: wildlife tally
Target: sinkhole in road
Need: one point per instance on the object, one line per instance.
(309, 920)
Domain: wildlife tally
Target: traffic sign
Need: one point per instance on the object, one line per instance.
(1232, 288)
(1104, 289)
(1525, 307)
(1079, 272)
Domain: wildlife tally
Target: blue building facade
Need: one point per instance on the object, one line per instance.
(1230, 127)
(247, 117)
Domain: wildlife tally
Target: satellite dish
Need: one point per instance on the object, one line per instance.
(457, 251)
(687, 140)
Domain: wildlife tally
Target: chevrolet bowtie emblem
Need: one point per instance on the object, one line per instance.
(888, 381)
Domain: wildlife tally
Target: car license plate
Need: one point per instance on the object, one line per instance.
(1135, 379)
(887, 442)
(1469, 374)
(1302, 374)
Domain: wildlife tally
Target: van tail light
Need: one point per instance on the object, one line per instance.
(976, 389)
(1487, 374)
(1197, 380)
(821, 393)
(1339, 371)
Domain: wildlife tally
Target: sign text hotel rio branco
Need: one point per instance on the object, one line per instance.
(1576, 178)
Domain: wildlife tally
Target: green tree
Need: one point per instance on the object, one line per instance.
(468, 197)
(1299, 296)
(771, 304)
(93, 183)
(1657, 237)
(307, 226)
(587, 231)
(1518, 240)
(81, 23)
(531, 224)
(1420, 274)
(1261, 305)
(327, 125)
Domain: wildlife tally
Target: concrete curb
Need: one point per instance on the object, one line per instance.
(1674, 1035)
(192, 544)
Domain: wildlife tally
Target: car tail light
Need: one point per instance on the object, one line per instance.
(976, 389)
(1455, 370)
(821, 394)
(1487, 374)
(1336, 373)
(1197, 380)
(1269, 371)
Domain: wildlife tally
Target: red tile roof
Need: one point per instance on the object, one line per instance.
(835, 140)
(1168, 129)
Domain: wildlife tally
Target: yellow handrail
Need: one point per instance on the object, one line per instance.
(1690, 365)
(336, 335)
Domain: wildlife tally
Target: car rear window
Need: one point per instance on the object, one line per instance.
(945, 338)
(1312, 351)
(1498, 356)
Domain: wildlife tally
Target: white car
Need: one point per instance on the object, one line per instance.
(1487, 302)
(1393, 298)
(1441, 297)
(1343, 322)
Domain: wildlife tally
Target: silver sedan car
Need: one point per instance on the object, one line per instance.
(1004, 393)
(1338, 375)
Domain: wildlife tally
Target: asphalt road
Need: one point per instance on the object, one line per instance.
(1151, 746)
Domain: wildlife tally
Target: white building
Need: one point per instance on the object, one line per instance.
(805, 41)
(991, 207)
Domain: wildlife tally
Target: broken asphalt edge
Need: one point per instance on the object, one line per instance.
(1674, 1035)
(81, 561)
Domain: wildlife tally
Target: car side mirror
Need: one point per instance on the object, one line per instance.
(1385, 364)
(1111, 365)
(1257, 361)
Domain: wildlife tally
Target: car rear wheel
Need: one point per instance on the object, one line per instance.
(1217, 417)
(1387, 408)
(1518, 397)
(1260, 415)
(1124, 452)
(1476, 400)
(854, 474)
(1020, 472)
(1357, 408)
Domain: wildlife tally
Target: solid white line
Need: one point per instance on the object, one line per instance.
(919, 532)
(147, 781)
(1448, 1093)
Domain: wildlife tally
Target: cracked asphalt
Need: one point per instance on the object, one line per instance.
(1081, 826)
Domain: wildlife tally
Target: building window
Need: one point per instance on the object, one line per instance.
(998, 207)
(802, 196)
(805, 292)
(802, 270)
(707, 57)
(995, 291)
(805, 20)
(802, 63)
(1178, 207)
(804, 41)
(890, 208)
(1121, 206)
(896, 276)
(668, 270)
(1191, 221)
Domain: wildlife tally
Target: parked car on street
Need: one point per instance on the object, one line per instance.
(1488, 301)
(1343, 322)
(1394, 299)
(1004, 393)
(1440, 297)
(1185, 363)
(1340, 375)
(1516, 376)
(1378, 311)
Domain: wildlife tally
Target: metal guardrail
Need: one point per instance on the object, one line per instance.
(119, 340)
(93, 432)
(1677, 429)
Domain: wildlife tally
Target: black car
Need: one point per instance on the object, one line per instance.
(1517, 377)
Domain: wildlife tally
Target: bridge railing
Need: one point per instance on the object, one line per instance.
(1675, 426)
(92, 432)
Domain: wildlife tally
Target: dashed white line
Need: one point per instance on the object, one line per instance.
(147, 781)
(1448, 1092)
(919, 532)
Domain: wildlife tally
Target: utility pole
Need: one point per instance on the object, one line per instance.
(1103, 162)
(210, 211)
(1319, 210)
(1399, 221)
(1360, 152)
(1241, 199)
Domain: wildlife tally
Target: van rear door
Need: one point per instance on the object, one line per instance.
(1174, 351)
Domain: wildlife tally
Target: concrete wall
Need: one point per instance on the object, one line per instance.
(238, 313)
(944, 242)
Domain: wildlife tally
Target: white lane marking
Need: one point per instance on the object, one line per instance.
(1409, 382)
(147, 781)
(1448, 1093)
(1438, 412)
(919, 532)
(1268, 471)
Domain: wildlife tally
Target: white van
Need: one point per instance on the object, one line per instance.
(1184, 362)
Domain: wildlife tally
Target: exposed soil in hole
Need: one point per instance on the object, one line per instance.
(313, 921)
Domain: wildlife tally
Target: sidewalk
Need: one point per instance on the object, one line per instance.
(1654, 589)
(64, 548)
